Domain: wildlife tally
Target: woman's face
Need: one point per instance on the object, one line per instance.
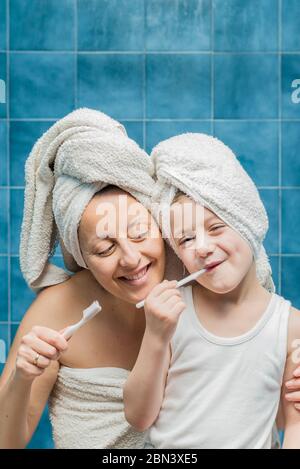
(122, 245)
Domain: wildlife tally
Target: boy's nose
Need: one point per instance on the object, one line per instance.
(204, 249)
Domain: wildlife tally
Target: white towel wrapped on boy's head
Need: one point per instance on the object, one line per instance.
(205, 169)
(78, 156)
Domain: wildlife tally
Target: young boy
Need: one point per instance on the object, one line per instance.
(214, 355)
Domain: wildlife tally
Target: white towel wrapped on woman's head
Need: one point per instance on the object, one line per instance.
(78, 156)
(205, 169)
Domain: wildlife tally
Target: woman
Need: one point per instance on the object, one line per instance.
(67, 176)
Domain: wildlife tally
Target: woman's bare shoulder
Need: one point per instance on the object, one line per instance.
(55, 306)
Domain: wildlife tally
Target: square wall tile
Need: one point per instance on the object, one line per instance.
(178, 86)
(246, 86)
(3, 288)
(135, 131)
(3, 153)
(16, 217)
(2, 24)
(270, 199)
(290, 25)
(21, 296)
(110, 25)
(13, 331)
(158, 131)
(41, 85)
(242, 26)
(290, 86)
(112, 84)
(3, 344)
(180, 25)
(42, 25)
(3, 221)
(3, 85)
(23, 136)
(290, 221)
(290, 280)
(291, 153)
(274, 261)
(256, 146)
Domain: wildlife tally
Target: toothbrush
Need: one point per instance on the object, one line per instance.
(87, 314)
(182, 282)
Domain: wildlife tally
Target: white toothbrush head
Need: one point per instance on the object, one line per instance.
(87, 314)
(91, 311)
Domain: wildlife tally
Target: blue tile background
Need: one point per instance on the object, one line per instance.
(162, 67)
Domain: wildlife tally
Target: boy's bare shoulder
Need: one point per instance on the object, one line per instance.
(293, 328)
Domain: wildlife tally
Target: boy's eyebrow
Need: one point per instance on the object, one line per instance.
(182, 231)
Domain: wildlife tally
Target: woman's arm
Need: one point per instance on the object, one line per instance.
(144, 388)
(24, 387)
(291, 414)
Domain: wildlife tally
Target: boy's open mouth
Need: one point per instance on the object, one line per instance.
(213, 265)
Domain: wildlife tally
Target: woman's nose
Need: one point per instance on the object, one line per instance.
(130, 256)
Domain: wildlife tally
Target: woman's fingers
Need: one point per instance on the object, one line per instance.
(297, 372)
(41, 347)
(52, 337)
(293, 397)
(293, 384)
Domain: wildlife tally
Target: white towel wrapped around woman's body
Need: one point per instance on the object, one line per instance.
(87, 410)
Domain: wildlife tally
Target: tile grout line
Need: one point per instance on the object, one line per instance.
(76, 54)
(144, 78)
(279, 150)
(8, 173)
(212, 67)
(151, 52)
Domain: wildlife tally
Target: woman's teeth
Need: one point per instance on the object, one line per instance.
(137, 276)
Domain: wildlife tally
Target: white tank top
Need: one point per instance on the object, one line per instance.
(223, 392)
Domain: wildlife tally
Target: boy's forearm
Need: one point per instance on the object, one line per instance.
(144, 388)
(14, 402)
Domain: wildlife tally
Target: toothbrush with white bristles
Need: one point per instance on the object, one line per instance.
(182, 282)
(87, 314)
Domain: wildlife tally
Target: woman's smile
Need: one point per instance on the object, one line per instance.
(139, 278)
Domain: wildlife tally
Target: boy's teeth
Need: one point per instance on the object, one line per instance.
(139, 275)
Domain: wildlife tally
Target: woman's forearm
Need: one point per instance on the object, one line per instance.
(144, 388)
(14, 404)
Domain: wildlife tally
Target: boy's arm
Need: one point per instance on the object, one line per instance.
(291, 414)
(143, 391)
(144, 388)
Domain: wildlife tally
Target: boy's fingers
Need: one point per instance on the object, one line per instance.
(165, 285)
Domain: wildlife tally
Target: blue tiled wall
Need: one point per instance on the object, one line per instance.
(161, 67)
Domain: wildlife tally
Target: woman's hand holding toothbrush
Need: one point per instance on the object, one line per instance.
(38, 348)
(42, 345)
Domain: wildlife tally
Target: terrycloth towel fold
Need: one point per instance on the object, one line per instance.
(78, 156)
(205, 169)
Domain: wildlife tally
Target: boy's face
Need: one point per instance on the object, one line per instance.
(203, 239)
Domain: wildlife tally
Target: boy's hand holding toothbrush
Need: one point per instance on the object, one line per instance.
(163, 306)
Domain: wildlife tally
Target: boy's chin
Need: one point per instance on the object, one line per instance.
(221, 289)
